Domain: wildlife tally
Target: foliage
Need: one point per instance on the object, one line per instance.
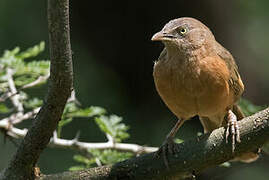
(25, 72)
(98, 157)
(32, 103)
(112, 126)
(72, 111)
(249, 108)
(4, 108)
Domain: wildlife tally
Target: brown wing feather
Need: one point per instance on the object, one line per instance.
(235, 81)
(237, 86)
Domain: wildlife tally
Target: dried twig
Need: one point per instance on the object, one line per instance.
(110, 144)
(14, 99)
(75, 143)
(39, 80)
(9, 94)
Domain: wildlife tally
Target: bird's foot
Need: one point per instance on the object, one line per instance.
(233, 129)
(168, 146)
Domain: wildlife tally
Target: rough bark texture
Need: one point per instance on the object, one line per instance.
(194, 155)
(60, 86)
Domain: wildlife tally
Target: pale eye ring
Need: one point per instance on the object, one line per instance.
(182, 30)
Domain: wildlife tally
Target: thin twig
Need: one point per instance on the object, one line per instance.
(39, 80)
(9, 94)
(75, 143)
(6, 95)
(14, 99)
(27, 115)
(7, 124)
(73, 98)
(15, 119)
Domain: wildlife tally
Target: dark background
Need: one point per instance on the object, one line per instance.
(113, 59)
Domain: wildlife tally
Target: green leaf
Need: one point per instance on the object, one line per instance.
(109, 156)
(23, 80)
(32, 52)
(33, 103)
(76, 168)
(3, 75)
(33, 69)
(4, 108)
(112, 126)
(70, 107)
(9, 59)
(87, 112)
(225, 164)
(10, 53)
(61, 124)
(64, 122)
(249, 108)
(177, 140)
(82, 159)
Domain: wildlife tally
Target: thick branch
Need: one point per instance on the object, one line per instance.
(60, 86)
(194, 155)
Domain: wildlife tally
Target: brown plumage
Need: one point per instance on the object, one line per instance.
(195, 75)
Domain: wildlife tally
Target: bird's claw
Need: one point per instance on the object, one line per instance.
(233, 129)
(168, 147)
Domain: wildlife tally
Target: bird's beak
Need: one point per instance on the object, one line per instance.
(162, 36)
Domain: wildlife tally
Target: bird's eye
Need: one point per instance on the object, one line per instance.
(182, 30)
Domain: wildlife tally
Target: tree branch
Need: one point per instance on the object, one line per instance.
(9, 94)
(78, 145)
(73, 144)
(194, 156)
(8, 125)
(39, 80)
(60, 86)
(14, 99)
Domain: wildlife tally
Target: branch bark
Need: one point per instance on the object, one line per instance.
(60, 86)
(194, 156)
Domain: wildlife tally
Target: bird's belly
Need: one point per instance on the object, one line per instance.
(213, 100)
(203, 101)
(183, 104)
(187, 95)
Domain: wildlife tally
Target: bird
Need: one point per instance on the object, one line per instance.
(196, 75)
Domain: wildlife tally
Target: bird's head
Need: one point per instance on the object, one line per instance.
(184, 34)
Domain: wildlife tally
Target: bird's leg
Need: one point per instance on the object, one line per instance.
(232, 127)
(169, 144)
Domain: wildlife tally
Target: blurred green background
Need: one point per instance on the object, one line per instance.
(113, 58)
